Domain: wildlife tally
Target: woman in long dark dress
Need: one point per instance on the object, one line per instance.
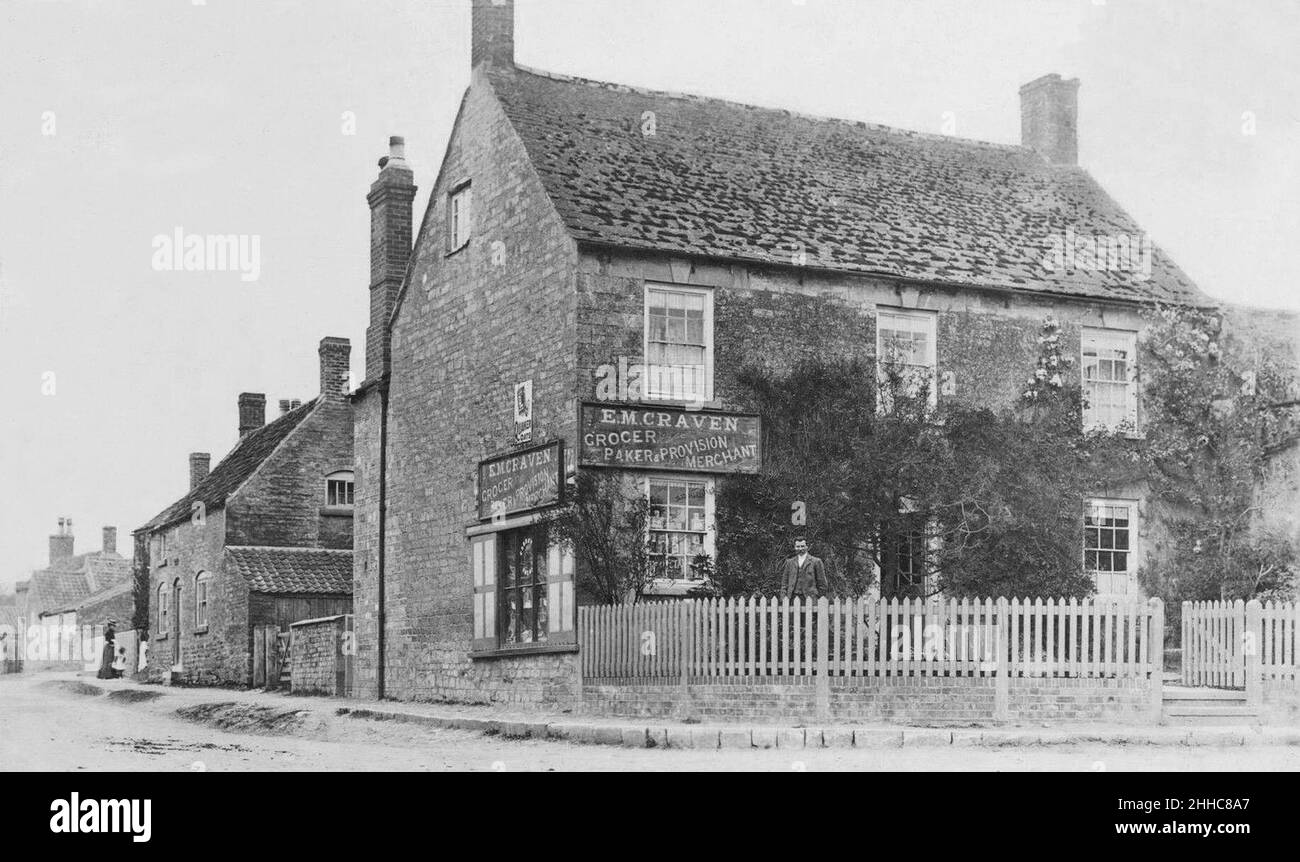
(106, 657)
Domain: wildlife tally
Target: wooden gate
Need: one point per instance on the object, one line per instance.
(270, 657)
(1232, 644)
(1214, 652)
(283, 645)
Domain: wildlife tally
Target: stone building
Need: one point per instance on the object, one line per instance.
(577, 230)
(264, 538)
(70, 577)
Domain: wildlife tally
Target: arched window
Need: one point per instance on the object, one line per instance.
(163, 596)
(338, 489)
(202, 599)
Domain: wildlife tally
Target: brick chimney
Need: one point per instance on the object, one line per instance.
(391, 198)
(492, 33)
(61, 542)
(1049, 118)
(252, 412)
(200, 466)
(110, 540)
(335, 362)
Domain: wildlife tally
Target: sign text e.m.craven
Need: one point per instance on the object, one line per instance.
(645, 438)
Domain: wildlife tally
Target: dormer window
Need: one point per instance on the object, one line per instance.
(459, 212)
(338, 490)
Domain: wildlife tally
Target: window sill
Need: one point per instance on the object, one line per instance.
(519, 651)
(201, 631)
(161, 637)
(647, 400)
(337, 511)
(456, 251)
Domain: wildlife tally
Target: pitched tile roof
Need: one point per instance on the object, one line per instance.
(61, 586)
(293, 570)
(56, 590)
(106, 571)
(722, 179)
(234, 469)
(105, 595)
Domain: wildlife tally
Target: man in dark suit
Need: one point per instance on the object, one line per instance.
(804, 575)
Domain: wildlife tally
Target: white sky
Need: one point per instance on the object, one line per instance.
(226, 117)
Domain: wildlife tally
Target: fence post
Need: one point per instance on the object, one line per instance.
(1002, 667)
(1253, 638)
(684, 654)
(823, 690)
(1157, 650)
(1185, 643)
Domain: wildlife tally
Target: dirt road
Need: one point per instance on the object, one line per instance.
(58, 724)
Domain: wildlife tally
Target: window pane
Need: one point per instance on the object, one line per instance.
(542, 614)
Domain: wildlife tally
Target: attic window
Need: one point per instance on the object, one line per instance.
(339, 489)
(459, 213)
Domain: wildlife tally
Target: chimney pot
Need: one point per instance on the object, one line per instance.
(200, 466)
(110, 540)
(252, 412)
(61, 543)
(1049, 118)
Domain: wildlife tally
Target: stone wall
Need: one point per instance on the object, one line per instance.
(921, 700)
(283, 505)
(221, 653)
(322, 656)
(470, 324)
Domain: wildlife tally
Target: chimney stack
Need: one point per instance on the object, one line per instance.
(252, 412)
(200, 466)
(1049, 118)
(61, 542)
(110, 540)
(492, 33)
(335, 363)
(284, 406)
(391, 198)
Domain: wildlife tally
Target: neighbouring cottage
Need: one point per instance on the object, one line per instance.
(577, 229)
(265, 538)
(52, 596)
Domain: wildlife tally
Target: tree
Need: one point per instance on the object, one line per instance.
(605, 525)
(1213, 419)
(988, 503)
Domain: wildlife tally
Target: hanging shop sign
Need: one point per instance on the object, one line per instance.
(637, 437)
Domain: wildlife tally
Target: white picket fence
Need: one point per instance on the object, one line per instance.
(771, 637)
(1223, 641)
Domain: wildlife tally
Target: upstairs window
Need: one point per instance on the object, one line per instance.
(906, 345)
(339, 489)
(679, 344)
(1110, 380)
(459, 213)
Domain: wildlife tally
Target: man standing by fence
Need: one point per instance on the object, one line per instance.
(804, 575)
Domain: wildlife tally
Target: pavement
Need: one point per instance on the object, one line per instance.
(649, 734)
